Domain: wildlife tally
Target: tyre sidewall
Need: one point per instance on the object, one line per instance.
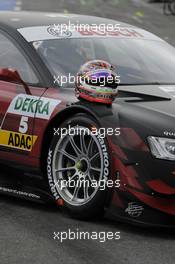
(96, 204)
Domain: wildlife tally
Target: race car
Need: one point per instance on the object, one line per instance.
(126, 156)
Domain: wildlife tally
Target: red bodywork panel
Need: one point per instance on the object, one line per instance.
(10, 122)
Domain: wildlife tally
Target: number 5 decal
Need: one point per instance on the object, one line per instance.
(23, 127)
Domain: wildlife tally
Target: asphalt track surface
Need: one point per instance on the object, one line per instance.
(26, 228)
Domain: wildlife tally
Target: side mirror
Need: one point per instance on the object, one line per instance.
(12, 75)
(9, 75)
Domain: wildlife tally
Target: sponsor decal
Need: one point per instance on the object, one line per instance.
(105, 155)
(17, 140)
(169, 133)
(134, 209)
(49, 174)
(46, 32)
(20, 193)
(33, 106)
(58, 32)
(123, 32)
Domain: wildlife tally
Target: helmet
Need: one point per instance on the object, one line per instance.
(97, 82)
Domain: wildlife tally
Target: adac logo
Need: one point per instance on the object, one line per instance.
(17, 140)
(58, 31)
(134, 209)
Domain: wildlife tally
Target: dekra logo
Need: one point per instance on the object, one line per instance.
(32, 105)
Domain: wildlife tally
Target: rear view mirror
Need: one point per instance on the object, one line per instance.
(9, 75)
(12, 75)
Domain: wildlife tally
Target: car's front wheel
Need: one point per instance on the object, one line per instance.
(78, 166)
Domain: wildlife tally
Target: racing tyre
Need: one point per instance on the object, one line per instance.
(78, 166)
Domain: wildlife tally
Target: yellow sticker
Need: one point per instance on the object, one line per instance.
(17, 140)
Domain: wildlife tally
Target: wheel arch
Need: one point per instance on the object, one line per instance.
(58, 119)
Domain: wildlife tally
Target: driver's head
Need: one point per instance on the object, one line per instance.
(97, 82)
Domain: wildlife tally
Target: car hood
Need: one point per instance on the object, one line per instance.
(155, 98)
(157, 91)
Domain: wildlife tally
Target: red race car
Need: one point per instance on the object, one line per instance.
(123, 162)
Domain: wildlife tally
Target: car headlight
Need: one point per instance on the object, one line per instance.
(162, 148)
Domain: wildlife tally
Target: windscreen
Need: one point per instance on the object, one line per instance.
(136, 61)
